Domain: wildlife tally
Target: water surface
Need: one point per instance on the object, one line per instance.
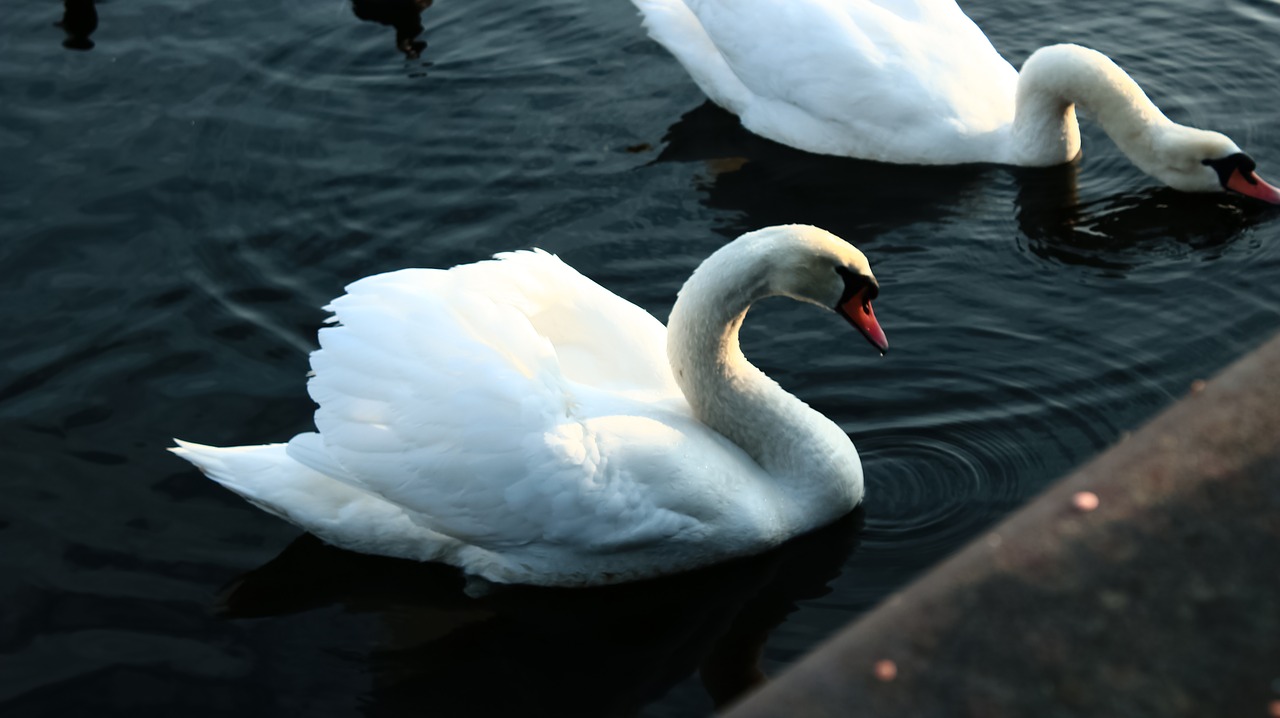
(178, 200)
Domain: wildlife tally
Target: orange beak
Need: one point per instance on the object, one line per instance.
(858, 311)
(1251, 185)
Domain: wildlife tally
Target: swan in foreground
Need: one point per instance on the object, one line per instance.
(916, 82)
(517, 420)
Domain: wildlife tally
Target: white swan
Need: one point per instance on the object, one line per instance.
(916, 82)
(515, 419)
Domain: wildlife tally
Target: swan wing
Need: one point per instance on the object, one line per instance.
(459, 395)
(898, 80)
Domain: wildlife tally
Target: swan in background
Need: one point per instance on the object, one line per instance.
(916, 82)
(515, 419)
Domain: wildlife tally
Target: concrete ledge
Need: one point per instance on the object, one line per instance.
(1147, 583)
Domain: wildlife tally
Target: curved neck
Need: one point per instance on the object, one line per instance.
(1057, 78)
(725, 391)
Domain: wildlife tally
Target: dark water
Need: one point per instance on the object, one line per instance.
(183, 185)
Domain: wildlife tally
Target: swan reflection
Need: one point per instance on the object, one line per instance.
(1127, 230)
(538, 651)
(769, 183)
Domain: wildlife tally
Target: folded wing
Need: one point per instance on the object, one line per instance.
(894, 74)
(468, 397)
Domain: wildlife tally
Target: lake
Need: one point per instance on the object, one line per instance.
(180, 199)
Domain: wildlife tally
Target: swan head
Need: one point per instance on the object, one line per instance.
(820, 268)
(1193, 160)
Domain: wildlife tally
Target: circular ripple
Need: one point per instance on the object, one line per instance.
(926, 493)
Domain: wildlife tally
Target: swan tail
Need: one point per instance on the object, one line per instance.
(337, 512)
(340, 514)
(264, 475)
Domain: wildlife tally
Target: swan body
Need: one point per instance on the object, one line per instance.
(515, 419)
(917, 82)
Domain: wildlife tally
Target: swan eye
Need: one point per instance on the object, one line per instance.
(855, 282)
(1226, 166)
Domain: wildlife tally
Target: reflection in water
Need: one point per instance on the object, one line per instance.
(540, 651)
(770, 183)
(1125, 231)
(403, 15)
(79, 20)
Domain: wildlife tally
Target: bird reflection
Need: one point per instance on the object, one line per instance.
(1124, 231)
(403, 15)
(538, 651)
(769, 183)
(79, 20)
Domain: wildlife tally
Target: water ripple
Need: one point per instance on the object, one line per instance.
(178, 201)
(925, 491)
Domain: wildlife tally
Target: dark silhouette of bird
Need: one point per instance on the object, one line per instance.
(79, 20)
(403, 15)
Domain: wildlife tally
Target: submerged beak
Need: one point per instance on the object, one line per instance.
(1251, 185)
(857, 309)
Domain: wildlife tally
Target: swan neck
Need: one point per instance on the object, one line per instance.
(1056, 79)
(725, 391)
